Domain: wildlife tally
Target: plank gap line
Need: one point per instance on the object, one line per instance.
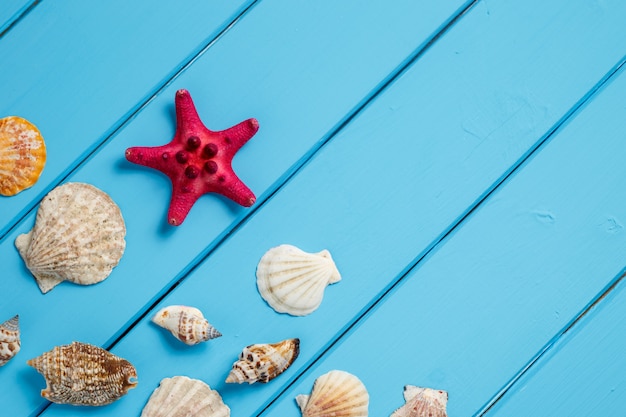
(16, 18)
(124, 120)
(540, 144)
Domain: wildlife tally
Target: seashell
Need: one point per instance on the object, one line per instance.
(78, 237)
(335, 394)
(422, 402)
(293, 281)
(22, 155)
(187, 324)
(83, 374)
(9, 339)
(264, 362)
(185, 397)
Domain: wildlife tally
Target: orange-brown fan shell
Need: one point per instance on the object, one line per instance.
(22, 155)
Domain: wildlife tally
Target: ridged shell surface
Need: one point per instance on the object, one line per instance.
(83, 374)
(9, 339)
(335, 394)
(187, 324)
(264, 362)
(423, 402)
(22, 155)
(181, 396)
(293, 281)
(78, 237)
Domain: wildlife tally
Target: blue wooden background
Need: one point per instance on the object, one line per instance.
(463, 161)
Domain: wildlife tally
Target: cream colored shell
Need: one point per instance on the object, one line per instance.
(83, 374)
(335, 394)
(9, 339)
(264, 362)
(181, 396)
(293, 281)
(423, 402)
(187, 324)
(78, 237)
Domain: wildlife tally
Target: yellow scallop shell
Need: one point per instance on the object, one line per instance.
(22, 155)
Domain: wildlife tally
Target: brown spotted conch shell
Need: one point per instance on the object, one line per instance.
(9, 339)
(187, 324)
(22, 155)
(83, 374)
(335, 394)
(422, 402)
(185, 397)
(264, 362)
(293, 281)
(78, 237)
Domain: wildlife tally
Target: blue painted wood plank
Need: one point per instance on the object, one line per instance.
(524, 264)
(331, 204)
(227, 89)
(582, 375)
(11, 11)
(80, 69)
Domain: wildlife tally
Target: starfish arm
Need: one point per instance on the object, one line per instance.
(154, 158)
(235, 137)
(237, 191)
(187, 119)
(180, 205)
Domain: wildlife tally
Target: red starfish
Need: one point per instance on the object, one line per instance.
(198, 160)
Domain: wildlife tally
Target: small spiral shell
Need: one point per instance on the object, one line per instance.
(264, 362)
(9, 339)
(187, 324)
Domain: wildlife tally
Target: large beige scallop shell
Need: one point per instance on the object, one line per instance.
(264, 362)
(22, 155)
(83, 374)
(423, 402)
(185, 397)
(9, 339)
(293, 281)
(78, 237)
(335, 394)
(187, 324)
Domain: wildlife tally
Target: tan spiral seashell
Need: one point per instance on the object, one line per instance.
(22, 155)
(187, 324)
(423, 402)
(78, 237)
(83, 374)
(181, 396)
(293, 281)
(264, 362)
(9, 339)
(335, 394)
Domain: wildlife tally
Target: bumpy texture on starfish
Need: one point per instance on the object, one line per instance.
(198, 160)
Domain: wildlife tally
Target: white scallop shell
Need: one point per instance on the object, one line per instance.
(185, 397)
(423, 402)
(9, 339)
(264, 362)
(335, 394)
(187, 324)
(78, 237)
(293, 281)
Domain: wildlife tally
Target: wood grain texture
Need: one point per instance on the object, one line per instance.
(373, 249)
(225, 95)
(525, 263)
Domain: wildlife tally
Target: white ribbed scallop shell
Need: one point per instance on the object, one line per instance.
(293, 281)
(187, 324)
(9, 339)
(78, 237)
(422, 402)
(181, 396)
(335, 394)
